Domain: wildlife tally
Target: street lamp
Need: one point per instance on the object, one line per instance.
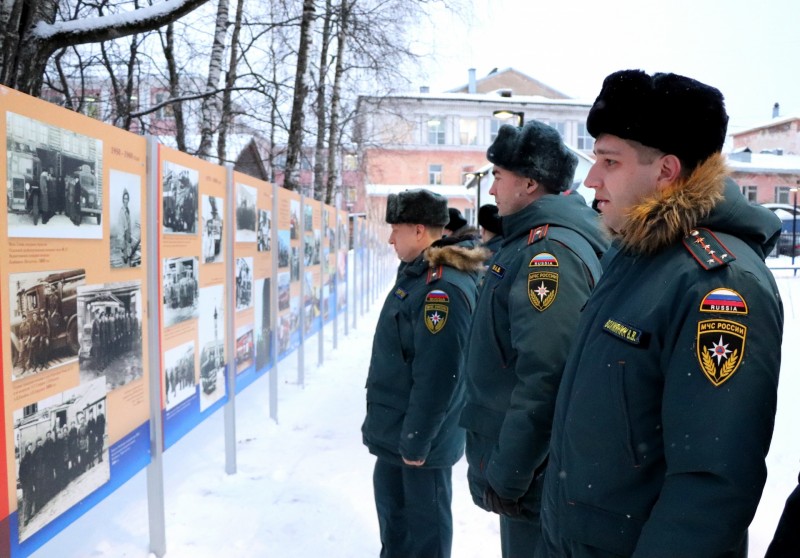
(477, 175)
(504, 114)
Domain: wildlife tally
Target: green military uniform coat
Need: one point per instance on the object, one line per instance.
(527, 312)
(666, 407)
(415, 384)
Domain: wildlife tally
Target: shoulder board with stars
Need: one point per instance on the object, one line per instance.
(707, 249)
(537, 234)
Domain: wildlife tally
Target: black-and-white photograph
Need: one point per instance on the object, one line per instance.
(245, 213)
(212, 229)
(263, 325)
(311, 248)
(264, 233)
(179, 198)
(245, 347)
(283, 248)
(294, 219)
(308, 248)
(110, 326)
(244, 283)
(126, 231)
(180, 277)
(212, 345)
(283, 290)
(308, 218)
(294, 263)
(61, 453)
(55, 181)
(179, 376)
(44, 320)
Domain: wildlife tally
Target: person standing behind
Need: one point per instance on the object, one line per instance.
(44, 196)
(414, 385)
(667, 404)
(527, 312)
(491, 227)
(786, 541)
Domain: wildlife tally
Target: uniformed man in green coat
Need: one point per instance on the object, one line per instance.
(667, 403)
(527, 313)
(415, 384)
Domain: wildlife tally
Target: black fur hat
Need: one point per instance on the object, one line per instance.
(535, 151)
(417, 207)
(456, 219)
(674, 114)
(489, 219)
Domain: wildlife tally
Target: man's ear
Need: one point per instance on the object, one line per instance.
(532, 186)
(669, 170)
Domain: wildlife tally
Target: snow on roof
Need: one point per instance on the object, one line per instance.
(446, 191)
(486, 98)
(767, 163)
(772, 122)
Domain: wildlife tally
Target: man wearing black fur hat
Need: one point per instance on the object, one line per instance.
(527, 312)
(491, 227)
(415, 389)
(666, 407)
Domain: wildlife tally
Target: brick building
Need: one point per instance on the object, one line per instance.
(435, 140)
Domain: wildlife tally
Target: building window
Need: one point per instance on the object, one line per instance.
(751, 193)
(585, 140)
(560, 126)
(350, 162)
(496, 123)
(436, 131)
(782, 194)
(165, 111)
(468, 131)
(434, 174)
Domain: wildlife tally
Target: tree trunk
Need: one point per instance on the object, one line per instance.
(333, 129)
(209, 110)
(294, 147)
(30, 36)
(226, 117)
(174, 87)
(319, 151)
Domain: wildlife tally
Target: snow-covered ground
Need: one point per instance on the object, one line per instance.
(303, 488)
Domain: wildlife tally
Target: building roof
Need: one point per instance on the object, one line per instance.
(514, 80)
(766, 163)
(770, 124)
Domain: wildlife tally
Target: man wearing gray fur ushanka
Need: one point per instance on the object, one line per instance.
(528, 308)
(415, 387)
(666, 407)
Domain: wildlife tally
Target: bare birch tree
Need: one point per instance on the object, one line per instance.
(210, 108)
(294, 147)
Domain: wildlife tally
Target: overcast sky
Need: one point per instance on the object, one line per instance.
(749, 50)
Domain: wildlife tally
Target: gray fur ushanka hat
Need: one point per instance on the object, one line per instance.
(417, 207)
(672, 113)
(534, 151)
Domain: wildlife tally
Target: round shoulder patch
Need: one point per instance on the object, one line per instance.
(543, 259)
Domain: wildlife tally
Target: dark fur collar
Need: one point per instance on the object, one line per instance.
(458, 257)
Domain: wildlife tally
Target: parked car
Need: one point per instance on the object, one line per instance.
(790, 219)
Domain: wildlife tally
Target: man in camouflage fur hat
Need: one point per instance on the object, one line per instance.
(666, 407)
(415, 388)
(527, 311)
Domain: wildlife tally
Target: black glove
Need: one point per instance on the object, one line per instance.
(502, 506)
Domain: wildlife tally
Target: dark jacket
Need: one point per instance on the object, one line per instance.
(666, 407)
(786, 542)
(415, 381)
(527, 312)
